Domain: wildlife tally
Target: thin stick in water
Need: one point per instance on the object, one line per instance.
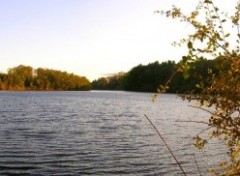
(170, 151)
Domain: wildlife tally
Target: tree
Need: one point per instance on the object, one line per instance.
(20, 77)
(26, 78)
(221, 90)
(113, 82)
(48, 79)
(147, 77)
(3, 81)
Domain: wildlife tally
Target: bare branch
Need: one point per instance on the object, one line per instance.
(206, 129)
(193, 121)
(201, 109)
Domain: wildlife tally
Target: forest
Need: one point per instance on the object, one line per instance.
(26, 78)
(142, 78)
(147, 78)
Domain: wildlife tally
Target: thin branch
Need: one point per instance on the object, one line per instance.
(170, 151)
(172, 76)
(205, 110)
(220, 22)
(193, 121)
(238, 31)
(198, 169)
(206, 129)
(238, 34)
(218, 44)
(201, 109)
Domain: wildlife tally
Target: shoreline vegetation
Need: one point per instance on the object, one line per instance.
(148, 78)
(25, 78)
(142, 78)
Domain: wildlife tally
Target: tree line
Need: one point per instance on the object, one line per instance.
(141, 78)
(26, 78)
(147, 78)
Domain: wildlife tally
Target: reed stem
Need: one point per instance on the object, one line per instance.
(164, 142)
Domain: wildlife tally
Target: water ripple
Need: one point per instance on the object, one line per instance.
(91, 133)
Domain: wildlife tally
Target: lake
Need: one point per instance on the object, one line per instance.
(100, 133)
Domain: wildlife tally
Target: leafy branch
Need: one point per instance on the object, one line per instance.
(221, 90)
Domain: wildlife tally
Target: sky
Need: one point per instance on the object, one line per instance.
(91, 38)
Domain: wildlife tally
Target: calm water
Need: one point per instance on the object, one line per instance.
(99, 133)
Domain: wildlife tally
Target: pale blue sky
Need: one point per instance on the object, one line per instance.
(88, 37)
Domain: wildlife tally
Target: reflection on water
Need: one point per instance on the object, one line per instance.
(98, 133)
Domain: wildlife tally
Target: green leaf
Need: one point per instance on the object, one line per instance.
(227, 35)
(208, 1)
(190, 45)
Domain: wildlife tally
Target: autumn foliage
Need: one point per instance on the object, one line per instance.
(26, 78)
(220, 92)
